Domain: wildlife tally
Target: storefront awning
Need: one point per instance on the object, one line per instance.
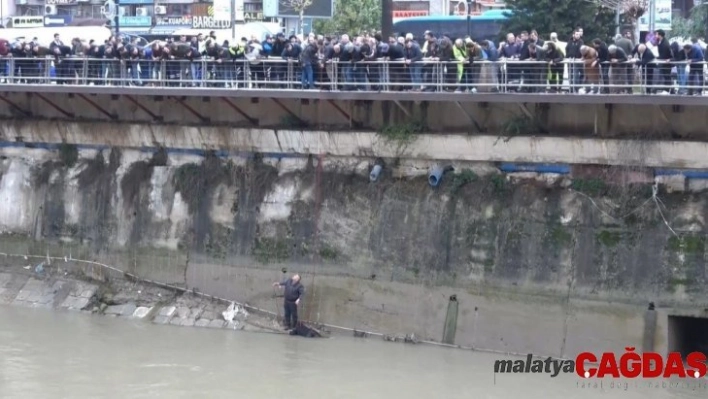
(166, 29)
(135, 30)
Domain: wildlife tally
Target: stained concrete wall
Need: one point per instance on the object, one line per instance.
(549, 264)
(477, 148)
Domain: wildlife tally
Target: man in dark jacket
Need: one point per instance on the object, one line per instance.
(575, 66)
(397, 70)
(308, 57)
(294, 291)
(665, 54)
(535, 72)
(279, 71)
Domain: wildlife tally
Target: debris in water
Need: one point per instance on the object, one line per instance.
(39, 269)
(232, 311)
(27, 267)
(305, 331)
(360, 334)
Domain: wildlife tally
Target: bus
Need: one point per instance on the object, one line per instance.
(486, 26)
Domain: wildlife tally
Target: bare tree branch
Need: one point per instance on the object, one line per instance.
(634, 9)
(296, 5)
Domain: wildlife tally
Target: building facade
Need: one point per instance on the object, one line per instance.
(417, 8)
(136, 16)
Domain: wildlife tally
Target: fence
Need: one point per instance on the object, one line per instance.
(507, 76)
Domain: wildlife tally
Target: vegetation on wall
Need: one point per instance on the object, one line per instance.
(68, 154)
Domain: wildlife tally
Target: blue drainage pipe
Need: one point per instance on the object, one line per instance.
(435, 175)
(560, 169)
(689, 174)
(375, 172)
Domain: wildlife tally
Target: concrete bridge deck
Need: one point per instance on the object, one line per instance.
(505, 114)
(501, 97)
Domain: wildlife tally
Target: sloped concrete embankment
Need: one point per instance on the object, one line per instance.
(49, 286)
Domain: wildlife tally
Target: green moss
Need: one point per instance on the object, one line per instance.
(328, 253)
(187, 179)
(71, 230)
(589, 186)
(560, 236)
(271, 250)
(680, 281)
(499, 183)
(459, 180)
(687, 244)
(68, 154)
(609, 238)
(489, 265)
(401, 134)
(519, 125)
(217, 244)
(675, 282)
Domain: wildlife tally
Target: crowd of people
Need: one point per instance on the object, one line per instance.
(523, 62)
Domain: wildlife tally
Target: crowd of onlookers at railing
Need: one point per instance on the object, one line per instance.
(523, 62)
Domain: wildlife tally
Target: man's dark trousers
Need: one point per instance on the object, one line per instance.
(290, 314)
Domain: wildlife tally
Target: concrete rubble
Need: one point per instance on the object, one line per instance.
(122, 299)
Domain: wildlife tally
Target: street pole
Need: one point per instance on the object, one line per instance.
(233, 19)
(116, 19)
(617, 21)
(469, 18)
(652, 16)
(387, 19)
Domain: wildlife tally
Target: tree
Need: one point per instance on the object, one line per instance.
(693, 26)
(299, 6)
(352, 16)
(560, 16)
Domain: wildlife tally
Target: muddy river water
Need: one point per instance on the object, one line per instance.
(45, 354)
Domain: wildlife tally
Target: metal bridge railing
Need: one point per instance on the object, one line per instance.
(505, 76)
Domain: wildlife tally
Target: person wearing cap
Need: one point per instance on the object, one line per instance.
(694, 55)
(424, 49)
(414, 56)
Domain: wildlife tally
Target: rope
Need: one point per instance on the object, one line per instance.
(253, 309)
(654, 198)
(315, 234)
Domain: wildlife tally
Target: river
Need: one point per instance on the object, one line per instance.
(45, 354)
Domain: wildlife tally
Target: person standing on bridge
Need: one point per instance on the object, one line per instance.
(294, 292)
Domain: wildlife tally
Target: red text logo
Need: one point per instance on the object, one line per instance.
(645, 365)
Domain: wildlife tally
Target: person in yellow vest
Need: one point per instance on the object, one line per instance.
(554, 57)
(237, 53)
(459, 53)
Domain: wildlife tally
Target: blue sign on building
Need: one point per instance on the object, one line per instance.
(140, 2)
(135, 21)
(57, 20)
